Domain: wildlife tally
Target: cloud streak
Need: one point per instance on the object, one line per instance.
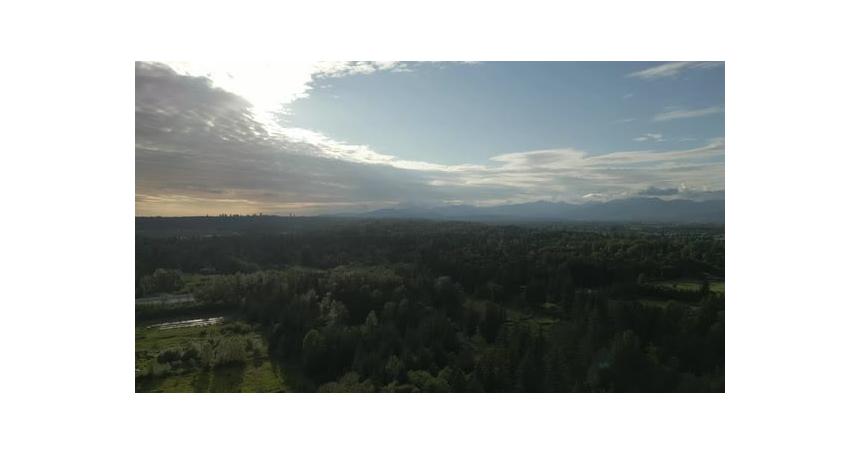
(677, 114)
(673, 69)
(656, 137)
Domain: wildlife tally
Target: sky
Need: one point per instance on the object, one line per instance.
(344, 137)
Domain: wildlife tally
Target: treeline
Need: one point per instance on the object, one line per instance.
(479, 257)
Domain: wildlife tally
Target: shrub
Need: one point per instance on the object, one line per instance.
(230, 350)
(207, 355)
(427, 382)
(238, 328)
(191, 353)
(348, 383)
(169, 355)
(255, 347)
(157, 369)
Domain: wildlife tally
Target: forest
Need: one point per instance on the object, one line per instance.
(314, 304)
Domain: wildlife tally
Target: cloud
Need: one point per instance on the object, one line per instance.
(672, 69)
(682, 192)
(571, 175)
(269, 87)
(676, 114)
(342, 69)
(654, 191)
(200, 148)
(656, 137)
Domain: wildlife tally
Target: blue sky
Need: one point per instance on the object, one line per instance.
(455, 114)
(327, 137)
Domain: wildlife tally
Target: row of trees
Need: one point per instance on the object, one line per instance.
(549, 260)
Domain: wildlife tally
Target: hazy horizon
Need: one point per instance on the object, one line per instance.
(717, 196)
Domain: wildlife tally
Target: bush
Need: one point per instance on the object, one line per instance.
(169, 355)
(395, 387)
(207, 355)
(255, 347)
(238, 328)
(230, 351)
(190, 353)
(348, 383)
(427, 382)
(157, 369)
(161, 281)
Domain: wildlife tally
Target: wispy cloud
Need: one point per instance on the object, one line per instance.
(656, 137)
(654, 191)
(574, 176)
(676, 114)
(342, 69)
(672, 69)
(682, 192)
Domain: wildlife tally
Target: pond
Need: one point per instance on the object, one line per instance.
(187, 323)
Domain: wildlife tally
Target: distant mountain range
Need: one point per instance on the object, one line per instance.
(645, 209)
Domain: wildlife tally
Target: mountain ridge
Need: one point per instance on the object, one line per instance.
(640, 209)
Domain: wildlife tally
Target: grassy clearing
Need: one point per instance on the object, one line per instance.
(535, 322)
(691, 285)
(173, 360)
(193, 282)
(252, 378)
(656, 303)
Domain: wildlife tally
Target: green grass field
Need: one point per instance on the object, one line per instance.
(253, 378)
(718, 287)
(250, 370)
(689, 285)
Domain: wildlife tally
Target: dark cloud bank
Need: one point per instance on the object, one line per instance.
(196, 144)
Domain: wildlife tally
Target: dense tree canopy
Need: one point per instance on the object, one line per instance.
(461, 307)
